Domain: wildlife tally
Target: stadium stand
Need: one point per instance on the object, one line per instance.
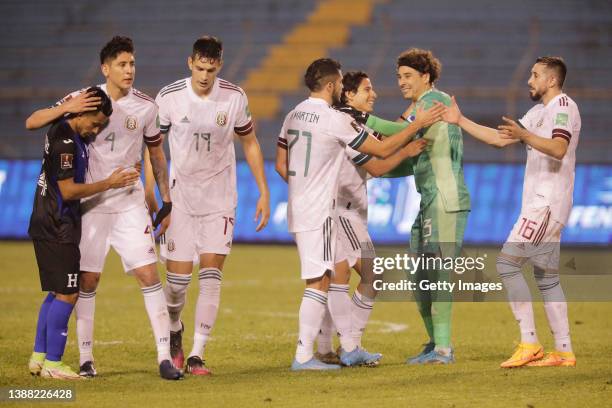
(50, 48)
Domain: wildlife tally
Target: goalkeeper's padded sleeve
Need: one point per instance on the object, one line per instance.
(386, 127)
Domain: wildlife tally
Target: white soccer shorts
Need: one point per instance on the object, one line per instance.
(354, 241)
(317, 250)
(192, 235)
(130, 233)
(535, 237)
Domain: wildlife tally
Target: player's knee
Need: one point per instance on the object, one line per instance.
(146, 275)
(546, 280)
(342, 274)
(67, 297)
(88, 281)
(507, 266)
(320, 283)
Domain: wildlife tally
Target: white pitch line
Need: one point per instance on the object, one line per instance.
(387, 327)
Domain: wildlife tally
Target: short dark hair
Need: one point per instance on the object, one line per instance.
(116, 46)
(557, 65)
(319, 73)
(207, 47)
(422, 61)
(350, 83)
(105, 106)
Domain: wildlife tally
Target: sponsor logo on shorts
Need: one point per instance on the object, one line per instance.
(229, 244)
(151, 251)
(171, 245)
(221, 119)
(66, 160)
(131, 123)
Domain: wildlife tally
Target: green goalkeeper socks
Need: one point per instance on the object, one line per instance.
(441, 316)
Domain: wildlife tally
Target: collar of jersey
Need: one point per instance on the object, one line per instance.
(550, 103)
(318, 101)
(120, 100)
(426, 92)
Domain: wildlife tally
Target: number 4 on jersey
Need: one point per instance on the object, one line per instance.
(111, 138)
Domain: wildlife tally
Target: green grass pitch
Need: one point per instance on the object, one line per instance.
(254, 341)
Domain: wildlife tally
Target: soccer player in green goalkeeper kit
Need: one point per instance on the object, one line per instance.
(445, 202)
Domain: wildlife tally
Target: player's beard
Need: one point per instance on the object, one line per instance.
(336, 97)
(535, 95)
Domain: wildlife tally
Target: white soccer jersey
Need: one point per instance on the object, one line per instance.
(548, 181)
(315, 135)
(201, 137)
(133, 121)
(352, 183)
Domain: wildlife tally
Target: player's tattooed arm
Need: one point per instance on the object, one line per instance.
(513, 132)
(84, 102)
(485, 134)
(149, 184)
(159, 165)
(254, 158)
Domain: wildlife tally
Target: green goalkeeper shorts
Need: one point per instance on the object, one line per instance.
(436, 231)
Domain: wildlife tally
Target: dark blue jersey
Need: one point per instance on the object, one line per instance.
(65, 156)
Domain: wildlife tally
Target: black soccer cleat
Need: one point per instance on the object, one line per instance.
(168, 372)
(87, 369)
(176, 347)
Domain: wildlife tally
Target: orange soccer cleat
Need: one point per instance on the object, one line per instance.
(555, 359)
(525, 353)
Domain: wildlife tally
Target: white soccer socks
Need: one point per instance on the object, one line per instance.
(339, 304)
(555, 307)
(361, 309)
(519, 297)
(84, 311)
(325, 337)
(312, 311)
(176, 292)
(207, 308)
(157, 309)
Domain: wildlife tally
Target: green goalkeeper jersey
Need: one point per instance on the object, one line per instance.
(439, 168)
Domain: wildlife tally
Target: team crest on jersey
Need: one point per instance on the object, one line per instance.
(131, 123)
(221, 119)
(66, 161)
(171, 246)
